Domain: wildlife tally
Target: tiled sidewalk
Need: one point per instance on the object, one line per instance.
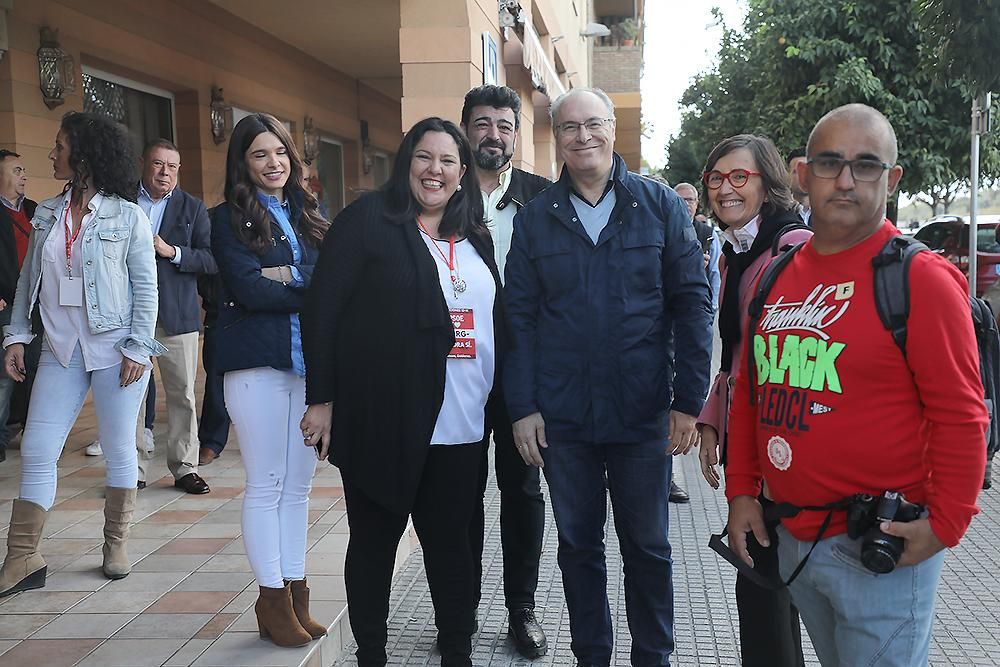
(188, 599)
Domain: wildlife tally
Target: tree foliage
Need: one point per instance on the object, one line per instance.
(962, 42)
(794, 60)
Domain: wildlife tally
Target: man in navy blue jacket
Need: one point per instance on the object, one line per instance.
(182, 241)
(605, 280)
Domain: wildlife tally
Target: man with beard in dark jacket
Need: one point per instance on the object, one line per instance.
(491, 118)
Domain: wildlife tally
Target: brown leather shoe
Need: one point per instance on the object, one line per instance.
(300, 603)
(276, 620)
(192, 483)
(206, 456)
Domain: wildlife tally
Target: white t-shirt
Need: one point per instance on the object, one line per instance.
(467, 381)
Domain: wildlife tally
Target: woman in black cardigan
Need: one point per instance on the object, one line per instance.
(395, 398)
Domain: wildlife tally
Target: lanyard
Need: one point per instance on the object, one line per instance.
(457, 284)
(449, 261)
(70, 240)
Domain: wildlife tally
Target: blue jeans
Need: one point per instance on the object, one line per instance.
(854, 616)
(579, 475)
(58, 395)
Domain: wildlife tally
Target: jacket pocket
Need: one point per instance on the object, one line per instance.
(561, 392)
(557, 269)
(114, 242)
(642, 259)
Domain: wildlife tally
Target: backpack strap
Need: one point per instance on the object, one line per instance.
(777, 247)
(767, 280)
(892, 285)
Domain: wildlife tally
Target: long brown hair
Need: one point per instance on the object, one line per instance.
(241, 193)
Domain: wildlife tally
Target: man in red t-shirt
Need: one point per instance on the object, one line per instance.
(15, 227)
(840, 410)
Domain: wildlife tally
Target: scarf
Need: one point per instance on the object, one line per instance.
(730, 312)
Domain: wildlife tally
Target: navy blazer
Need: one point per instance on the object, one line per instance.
(595, 325)
(254, 327)
(185, 225)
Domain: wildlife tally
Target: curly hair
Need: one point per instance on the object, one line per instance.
(100, 150)
(241, 193)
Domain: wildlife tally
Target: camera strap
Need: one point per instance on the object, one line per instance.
(777, 511)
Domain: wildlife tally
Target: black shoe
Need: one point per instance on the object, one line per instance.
(3, 455)
(678, 495)
(527, 633)
(192, 483)
(140, 485)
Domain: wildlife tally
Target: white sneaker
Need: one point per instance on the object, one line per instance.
(147, 436)
(94, 449)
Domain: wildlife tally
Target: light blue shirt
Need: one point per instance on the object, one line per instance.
(154, 211)
(279, 212)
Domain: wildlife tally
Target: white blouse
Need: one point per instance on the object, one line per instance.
(67, 326)
(468, 381)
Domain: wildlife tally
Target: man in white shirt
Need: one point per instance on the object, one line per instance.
(491, 120)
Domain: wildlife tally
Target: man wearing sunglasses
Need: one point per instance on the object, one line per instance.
(838, 409)
(605, 278)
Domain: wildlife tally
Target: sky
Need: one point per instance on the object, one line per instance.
(681, 41)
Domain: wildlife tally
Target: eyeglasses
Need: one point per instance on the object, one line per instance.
(570, 128)
(861, 169)
(737, 178)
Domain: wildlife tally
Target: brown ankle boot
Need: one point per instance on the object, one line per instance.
(119, 505)
(23, 568)
(276, 620)
(300, 603)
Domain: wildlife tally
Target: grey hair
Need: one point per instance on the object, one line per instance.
(597, 92)
(688, 186)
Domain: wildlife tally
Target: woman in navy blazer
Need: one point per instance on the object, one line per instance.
(265, 239)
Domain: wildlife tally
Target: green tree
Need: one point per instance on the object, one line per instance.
(793, 60)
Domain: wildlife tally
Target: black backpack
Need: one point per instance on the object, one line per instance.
(705, 233)
(892, 301)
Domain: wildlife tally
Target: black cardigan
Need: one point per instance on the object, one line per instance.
(376, 334)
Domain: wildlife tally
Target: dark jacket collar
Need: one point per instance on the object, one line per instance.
(522, 188)
(619, 175)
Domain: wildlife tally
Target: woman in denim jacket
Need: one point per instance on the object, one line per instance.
(91, 273)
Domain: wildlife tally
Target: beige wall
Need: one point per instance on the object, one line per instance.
(194, 45)
(441, 55)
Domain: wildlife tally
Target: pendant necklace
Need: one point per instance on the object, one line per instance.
(457, 284)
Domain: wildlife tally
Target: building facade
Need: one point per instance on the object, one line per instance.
(347, 78)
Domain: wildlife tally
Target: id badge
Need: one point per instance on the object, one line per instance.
(465, 334)
(71, 291)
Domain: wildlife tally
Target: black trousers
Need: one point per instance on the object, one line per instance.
(522, 515)
(213, 426)
(770, 635)
(442, 511)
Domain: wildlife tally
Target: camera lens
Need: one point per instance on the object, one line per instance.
(881, 552)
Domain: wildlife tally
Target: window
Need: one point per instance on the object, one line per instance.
(330, 172)
(239, 114)
(147, 112)
(381, 168)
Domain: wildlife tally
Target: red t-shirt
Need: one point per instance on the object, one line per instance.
(22, 230)
(841, 411)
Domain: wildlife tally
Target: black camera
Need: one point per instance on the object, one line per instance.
(879, 552)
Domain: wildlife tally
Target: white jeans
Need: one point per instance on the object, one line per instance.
(266, 406)
(56, 399)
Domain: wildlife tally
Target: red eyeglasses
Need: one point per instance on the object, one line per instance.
(737, 178)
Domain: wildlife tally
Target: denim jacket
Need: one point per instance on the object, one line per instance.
(119, 272)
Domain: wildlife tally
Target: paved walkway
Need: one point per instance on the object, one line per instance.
(706, 623)
(187, 602)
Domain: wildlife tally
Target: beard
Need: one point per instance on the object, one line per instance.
(490, 162)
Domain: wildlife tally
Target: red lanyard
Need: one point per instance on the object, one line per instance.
(449, 261)
(70, 240)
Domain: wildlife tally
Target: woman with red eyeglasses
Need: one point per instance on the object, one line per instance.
(746, 186)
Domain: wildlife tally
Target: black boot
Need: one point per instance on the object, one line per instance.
(677, 494)
(527, 633)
